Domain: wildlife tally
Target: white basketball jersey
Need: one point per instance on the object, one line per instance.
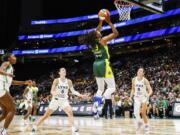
(140, 88)
(29, 95)
(62, 89)
(6, 81)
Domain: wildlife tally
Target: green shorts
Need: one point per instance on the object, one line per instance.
(102, 68)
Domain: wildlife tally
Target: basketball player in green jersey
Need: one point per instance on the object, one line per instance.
(101, 67)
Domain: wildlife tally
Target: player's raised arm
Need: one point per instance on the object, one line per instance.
(99, 27)
(15, 82)
(74, 92)
(53, 87)
(111, 36)
(148, 86)
(132, 89)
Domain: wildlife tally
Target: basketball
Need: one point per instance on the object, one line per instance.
(103, 14)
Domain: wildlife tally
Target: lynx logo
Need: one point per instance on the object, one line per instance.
(177, 108)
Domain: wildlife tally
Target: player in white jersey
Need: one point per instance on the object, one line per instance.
(59, 91)
(141, 90)
(6, 101)
(30, 102)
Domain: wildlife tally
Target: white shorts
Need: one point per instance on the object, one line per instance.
(28, 104)
(2, 88)
(141, 100)
(111, 87)
(58, 103)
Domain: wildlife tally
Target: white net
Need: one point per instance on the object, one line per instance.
(124, 9)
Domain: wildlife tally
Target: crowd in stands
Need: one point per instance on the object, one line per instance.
(162, 69)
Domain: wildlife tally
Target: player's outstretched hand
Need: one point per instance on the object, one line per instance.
(28, 82)
(108, 20)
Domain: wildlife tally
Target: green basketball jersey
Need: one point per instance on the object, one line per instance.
(101, 52)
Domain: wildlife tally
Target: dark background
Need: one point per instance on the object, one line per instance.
(15, 13)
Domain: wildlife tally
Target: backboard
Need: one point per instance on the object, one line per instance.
(155, 6)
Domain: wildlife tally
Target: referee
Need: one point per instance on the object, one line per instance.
(108, 106)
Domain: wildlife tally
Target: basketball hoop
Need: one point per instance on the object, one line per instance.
(124, 9)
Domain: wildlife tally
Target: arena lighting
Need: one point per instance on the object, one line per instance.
(146, 35)
(121, 24)
(74, 19)
(1, 51)
(69, 20)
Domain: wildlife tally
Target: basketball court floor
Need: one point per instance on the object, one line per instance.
(57, 125)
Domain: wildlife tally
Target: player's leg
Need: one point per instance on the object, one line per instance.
(29, 111)
(99, 73)
(137, 110)
(4, 112)
(97, 105)
(68, 110)
(54, 104)
(44, 117)
(34, 111)
(100, 84)
(7, 102)
(110, 88)
(110, 81)
(144, 115)
(27, 116)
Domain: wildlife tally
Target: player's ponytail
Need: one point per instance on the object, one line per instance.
(90, 39)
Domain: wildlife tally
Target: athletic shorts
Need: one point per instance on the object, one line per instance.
(102, 69)
(58, 103)
(142, 99)
(2, 88)
(27, 104)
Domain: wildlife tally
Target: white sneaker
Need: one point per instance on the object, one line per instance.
(139, 125)
(3, 132)
(96, 117)
(146, 128)
(75, 130)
